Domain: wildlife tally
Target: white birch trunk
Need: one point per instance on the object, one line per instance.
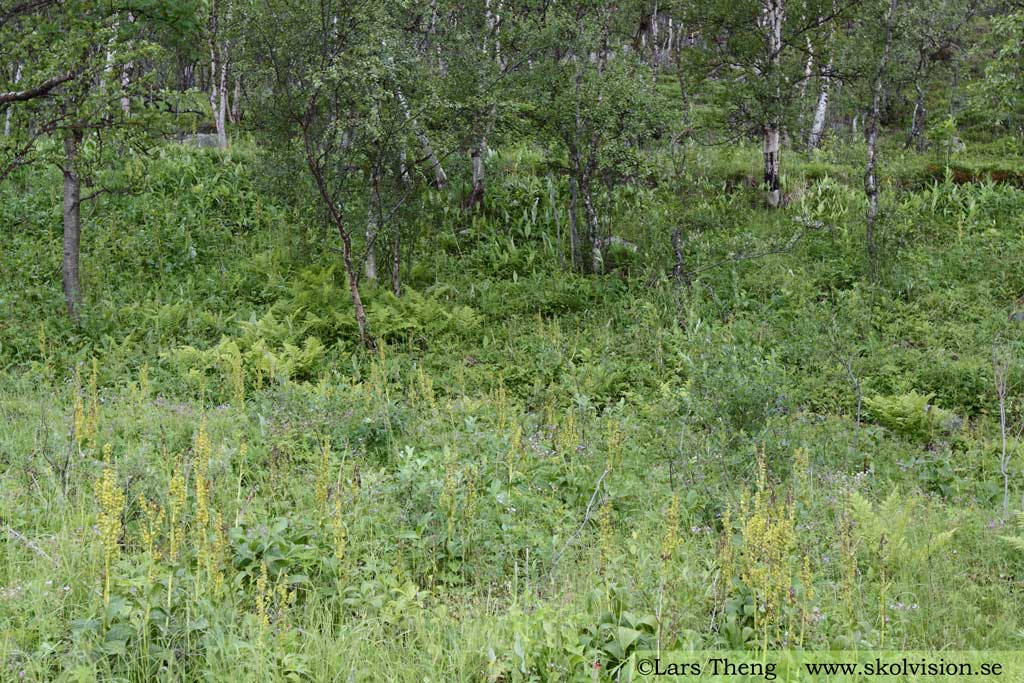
(219, 52)
(871, 135)
(440, 177)
(126, 81)
(773, 15)
(655, 55)
(821, 110)
(808, 69)
(236, 102)
(10, 110)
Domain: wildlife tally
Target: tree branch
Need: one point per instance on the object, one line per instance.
(40, 90)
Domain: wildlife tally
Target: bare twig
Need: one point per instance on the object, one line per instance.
(583, 524)
(16, 535)
(1000, 373)
(808, 225)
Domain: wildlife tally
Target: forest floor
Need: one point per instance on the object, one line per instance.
(535, 471)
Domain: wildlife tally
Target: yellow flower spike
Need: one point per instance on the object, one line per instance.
(726, 561)
(200, 471)
(323, 476)
(263, 597)
(178, 497)
(425, 387)
(153, 521)
(614, 438)
(501, 407)
(606, 532)
(515, 448)
(79, 411)
(237, 375)
(217, 556)
(143, 382)
(769, 540)
(806, 578)
(568, 436)
(111, 501)
(339, 532)
(92, 417)
(449, 489)
(670, 538)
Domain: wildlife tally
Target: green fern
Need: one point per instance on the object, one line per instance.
(912, 414)
(884, 530)
(1017, 541)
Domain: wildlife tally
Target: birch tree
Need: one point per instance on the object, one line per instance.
(824, 88)
(871, 131)
(64, 50)
(758, 48)
(934, 35)
(597, 105)
(218, 40)
(328, 78)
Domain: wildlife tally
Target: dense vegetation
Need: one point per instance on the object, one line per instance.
(626, 395)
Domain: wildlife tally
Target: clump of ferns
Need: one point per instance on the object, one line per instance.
(882, 533)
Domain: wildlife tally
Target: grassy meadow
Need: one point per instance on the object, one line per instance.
(209, 479)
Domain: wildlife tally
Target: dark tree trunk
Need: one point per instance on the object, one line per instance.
(476, 195)
(396, 263)
(353, 285)
(575, 249)
(316, 170)
(772, 163)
